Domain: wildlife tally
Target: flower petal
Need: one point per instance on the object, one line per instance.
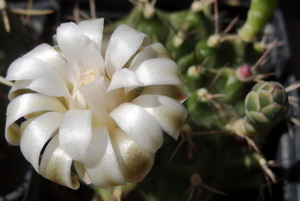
(49, 55)
(158, 71)
(141, 126)
(124, 42)
(168, 112)
(73, 73)
(135, 163)
(19, 88)
(50, 85)
(76, 131)
(102, 166)
(71, 40)
(155, 50)
(94, 95)
(56, 165)
(37, 133)
(92, 59)
(24, 105)
(175, 92)
(29, 68)
(93, 29)
(124, 78)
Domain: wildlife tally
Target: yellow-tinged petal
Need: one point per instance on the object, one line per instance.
(156, 50)
(135, 163)
(27, 104)
(56, 165)
(101, 163)
(168, 112)
(37, 133)
(141, 126)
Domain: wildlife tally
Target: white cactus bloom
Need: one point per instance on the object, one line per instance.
(99, 102)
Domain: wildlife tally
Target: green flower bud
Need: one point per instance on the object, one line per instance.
(266, 104)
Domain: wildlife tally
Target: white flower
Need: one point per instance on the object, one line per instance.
(97, 101)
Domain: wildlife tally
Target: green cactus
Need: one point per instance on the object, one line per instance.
(213, 150)
(258, 15)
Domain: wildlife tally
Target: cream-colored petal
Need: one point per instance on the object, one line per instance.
(75, 133)
(92, 60)
(158, 71)
(71, 40)
(172, 91)
(155, 50)
(25, 105)
(50, 85)
(141, 126)
(124, 42)
(93, 30)
(56, 165)
(101, 163)
(124, 78)
(94, 95)
(73, 73)
(168, 112)
(114, 98)
(135, 163)
(29, 68)
(49, 55)
(19, 88)
(37, 133)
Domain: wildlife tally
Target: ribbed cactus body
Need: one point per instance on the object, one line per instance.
(187, 28)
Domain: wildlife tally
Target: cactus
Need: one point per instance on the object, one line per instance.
(227, 110)
(258, 15)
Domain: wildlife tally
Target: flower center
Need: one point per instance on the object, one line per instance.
(87, 77)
